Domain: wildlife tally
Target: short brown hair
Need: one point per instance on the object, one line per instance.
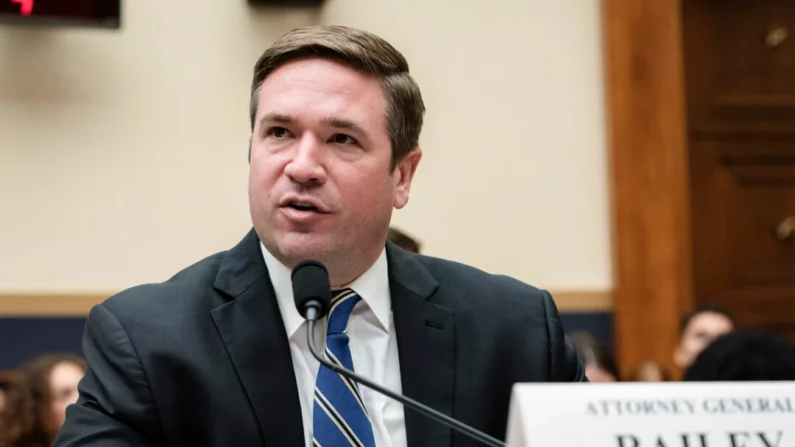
(363, 51)
(403, 240)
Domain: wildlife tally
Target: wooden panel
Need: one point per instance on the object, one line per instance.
(743, 192)
(77, 305)
(583, 301)
(740, 59)
(46, 305)
(649, 172)
(740, 125)
(740, 66)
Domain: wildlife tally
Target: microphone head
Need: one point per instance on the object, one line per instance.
(311, 283)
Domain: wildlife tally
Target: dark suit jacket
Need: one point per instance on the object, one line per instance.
(203, 358)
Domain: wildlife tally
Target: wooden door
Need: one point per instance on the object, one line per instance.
(739, 61)
(701, 120)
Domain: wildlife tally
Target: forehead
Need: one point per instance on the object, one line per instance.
(709, 321)
(317, 86)
(65, 373)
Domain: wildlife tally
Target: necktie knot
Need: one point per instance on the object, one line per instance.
(342, 303)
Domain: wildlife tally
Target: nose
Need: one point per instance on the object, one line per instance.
(307, 164)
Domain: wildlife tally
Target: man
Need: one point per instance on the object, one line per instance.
(217, 355)
(699, 328)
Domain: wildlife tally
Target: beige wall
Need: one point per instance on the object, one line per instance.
(123, 154)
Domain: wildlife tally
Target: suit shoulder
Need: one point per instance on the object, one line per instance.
(185, 289)
(504, 312)
(471, 282)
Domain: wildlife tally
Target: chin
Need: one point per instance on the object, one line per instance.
(297, 248)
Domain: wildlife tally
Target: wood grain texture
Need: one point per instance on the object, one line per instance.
(583, 301)
(741, 116)
(49, 304)
(649, 177)
(78, 305)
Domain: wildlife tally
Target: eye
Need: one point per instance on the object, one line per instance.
(341, 138)
(277, 132)
(62, 394)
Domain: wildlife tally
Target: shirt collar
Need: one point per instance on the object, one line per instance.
(372, 287)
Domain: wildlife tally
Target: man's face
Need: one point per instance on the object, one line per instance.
(320, 183)
(699, 333)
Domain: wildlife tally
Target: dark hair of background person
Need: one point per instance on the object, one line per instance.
(363, 51)
(403, 240)
(703, 309)
(25, 420)
(744, 356)
(594, 352)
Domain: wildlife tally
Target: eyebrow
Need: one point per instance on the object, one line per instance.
(275, 117)
(332, 121)
(342, 123)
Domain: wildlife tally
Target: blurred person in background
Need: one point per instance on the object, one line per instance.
(699, 328)
(649, 372)
(37, 399)
(600, 364)
(744, 356)
(4, 384)
(403, 240)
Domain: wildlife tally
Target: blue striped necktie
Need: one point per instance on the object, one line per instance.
(339, 417)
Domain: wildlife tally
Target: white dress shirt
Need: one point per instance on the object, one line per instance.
(373, 346)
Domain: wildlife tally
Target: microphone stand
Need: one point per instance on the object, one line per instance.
(311, 317)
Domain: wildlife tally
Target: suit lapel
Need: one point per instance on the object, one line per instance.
(426, 347)
(252, 330)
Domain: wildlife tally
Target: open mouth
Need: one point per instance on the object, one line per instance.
(302, 206)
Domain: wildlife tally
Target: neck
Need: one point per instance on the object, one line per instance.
(342, 270)
(344, 273)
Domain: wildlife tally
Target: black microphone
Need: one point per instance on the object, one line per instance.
(311, 289)
(312, 294)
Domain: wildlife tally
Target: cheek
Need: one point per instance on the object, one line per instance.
(370, 195)
(58, 414)
(261, 179)
(697, 344)
(72, 396)
(59, 406)
(256, 174)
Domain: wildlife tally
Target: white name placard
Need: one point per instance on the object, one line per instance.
(739, 414)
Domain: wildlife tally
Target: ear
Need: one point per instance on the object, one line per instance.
(249, 147)
(403, 175)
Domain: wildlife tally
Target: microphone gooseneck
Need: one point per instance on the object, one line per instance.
(312, 300)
